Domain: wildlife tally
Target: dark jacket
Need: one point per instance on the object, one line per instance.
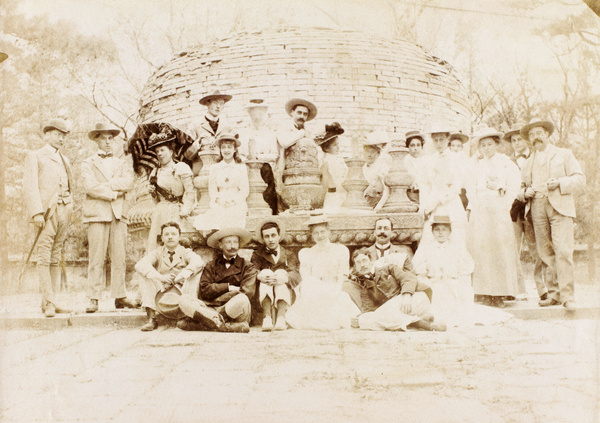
(216, 278)
(288, 261)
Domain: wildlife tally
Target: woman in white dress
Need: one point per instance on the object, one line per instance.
(447, 268)
(227, 188)
(321, 304)
(414, 142)
(171, 187)
(377, 165)
(461, 159)
(333, 167)
(491, 190)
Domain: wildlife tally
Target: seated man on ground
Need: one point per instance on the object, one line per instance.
(278, 274)
(227, 285)
(391, 298)
(170, 265)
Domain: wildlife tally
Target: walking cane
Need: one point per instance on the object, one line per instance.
(32, 248)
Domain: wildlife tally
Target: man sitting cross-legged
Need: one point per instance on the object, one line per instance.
(391, 298)
(278, 274)
(227, 284)
(167, 266)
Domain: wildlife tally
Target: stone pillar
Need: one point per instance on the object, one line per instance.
(257, 206)
(208, 157)
(355, 185)
(399, 180)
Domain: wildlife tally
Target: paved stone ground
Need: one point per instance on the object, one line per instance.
(519, 371)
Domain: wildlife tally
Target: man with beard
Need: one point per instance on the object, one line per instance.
(551, 176)
(382, 253)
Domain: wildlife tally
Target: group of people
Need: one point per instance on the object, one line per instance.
(470, 247)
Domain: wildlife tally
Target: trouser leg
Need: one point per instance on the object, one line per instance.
(538, 267)
(118, 255)
(98, 236)
(238, 308)
(148, 290)
(563, 241)
(543, 240)
(518, 230)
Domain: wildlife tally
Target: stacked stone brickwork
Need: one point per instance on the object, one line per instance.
(362, 81)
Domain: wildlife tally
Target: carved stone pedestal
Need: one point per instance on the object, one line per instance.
(207, 157)
(355, 185)
(257, 206)
(399, 180)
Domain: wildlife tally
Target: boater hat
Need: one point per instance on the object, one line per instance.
(514, 129)
(58, 124)
(215, 95)
(242, 234)
(229, 137)
(291, 105)
(271, 219)
(458, 136)
(414, 134)
(103, 127)
(546, 124)
(441, 220)
(167, 303)
(316, 219)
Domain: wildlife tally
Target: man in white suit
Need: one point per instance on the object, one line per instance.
(106, 180)
(47, 186)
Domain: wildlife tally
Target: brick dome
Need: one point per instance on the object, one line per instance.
(362, 81)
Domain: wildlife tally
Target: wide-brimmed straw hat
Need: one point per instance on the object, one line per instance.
(256, 103)
(546, 124)
(376, 138)
(58, 124)
(514, 129)
(103, 128)
(439, 127)
(215, 95)
(271, 219)
(241, 233)
(229, 137)
(458, 136)
(331, 131)
(485, 131)
(167, 303)
(292, 103)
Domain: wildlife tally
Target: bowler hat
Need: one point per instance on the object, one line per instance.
(229, 137)
(215, 95)
(546, 124)
(271, 219)
(243, 235)
(514, 129)
(58, 124)
(331, 132)
(167, 303)
(291, 105)
(103, 127)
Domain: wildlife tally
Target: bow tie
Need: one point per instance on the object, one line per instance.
(227, 261)
(272, 252)
(103, 156)
(365, 280)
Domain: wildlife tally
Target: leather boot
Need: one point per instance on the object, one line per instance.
(151, 324)
(237, 327)
(126, 303)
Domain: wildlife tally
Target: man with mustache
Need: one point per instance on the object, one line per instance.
(551, 176)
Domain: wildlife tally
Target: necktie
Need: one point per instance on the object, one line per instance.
(382, 250)
(105, 155)
(171, 254)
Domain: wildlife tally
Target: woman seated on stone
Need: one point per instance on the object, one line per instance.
(333, 167)
(321, 304)
(446, 267)
(171, 186)
(227, 188)
(376, 167)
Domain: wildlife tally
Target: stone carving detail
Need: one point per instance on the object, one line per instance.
(399, 180)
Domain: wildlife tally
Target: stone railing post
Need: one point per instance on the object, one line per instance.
(257, 206)
(355, 185)
(398, 180)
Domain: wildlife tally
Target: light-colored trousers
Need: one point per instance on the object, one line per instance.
(103, 237)
(237, 308)
(276, 293)
(524, 229)
(149, 288)
(555, 240)
(389, 316)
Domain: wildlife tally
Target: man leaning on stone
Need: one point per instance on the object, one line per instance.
(47, 184)
(106, 181)
(278, 274)
(170, 265)
(551, 176)
(227, 285)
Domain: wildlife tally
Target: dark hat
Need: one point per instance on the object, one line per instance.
(167, 303)
(215, 95)
(514, 129)
(291, 105)
(103, 127)
(331, 132)
(241, 233)
(546, 124)
(58, 124)
(229, 137)
(164, 137)
(271, 219)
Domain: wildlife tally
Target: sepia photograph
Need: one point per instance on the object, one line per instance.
(313, 211)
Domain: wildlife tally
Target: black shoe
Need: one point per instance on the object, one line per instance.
(92, 307)
(126, 303)
(237, 327)
(544, 296)
(210, 320)
(190, 325)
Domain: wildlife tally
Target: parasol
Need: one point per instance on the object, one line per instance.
(144, 157)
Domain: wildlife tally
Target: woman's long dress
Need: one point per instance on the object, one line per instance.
(491, 237)
(447, 268)
(321, 304)
(176, 180)
(228, 189)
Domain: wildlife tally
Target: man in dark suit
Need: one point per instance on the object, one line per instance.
(227, 285)
(47, 184)
(278, 274)
(391, 298)
(106, 181)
